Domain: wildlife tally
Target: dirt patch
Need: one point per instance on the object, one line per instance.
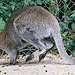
(50, 65)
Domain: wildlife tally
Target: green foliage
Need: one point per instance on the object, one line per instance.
(2, 24)
(73, 13)
(63, 10)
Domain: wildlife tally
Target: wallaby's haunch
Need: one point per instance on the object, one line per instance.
(32, 25)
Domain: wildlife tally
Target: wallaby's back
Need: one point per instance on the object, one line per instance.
(36, 19)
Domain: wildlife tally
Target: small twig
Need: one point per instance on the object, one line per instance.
(56, 6)
(66, 9)
(56, 2)
(67, 6)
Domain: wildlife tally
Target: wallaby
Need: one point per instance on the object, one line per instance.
(33, 25)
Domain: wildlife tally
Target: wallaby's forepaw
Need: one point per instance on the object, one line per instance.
(42, 56)
(30, 57)
(12, 63)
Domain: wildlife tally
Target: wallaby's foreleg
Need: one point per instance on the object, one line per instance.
(13, 56)
(49, 45)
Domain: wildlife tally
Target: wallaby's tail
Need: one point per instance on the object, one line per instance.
(61, 49)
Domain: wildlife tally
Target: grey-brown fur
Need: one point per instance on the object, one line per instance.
(32, 25)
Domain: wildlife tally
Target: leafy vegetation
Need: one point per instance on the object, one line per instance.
(63, 10)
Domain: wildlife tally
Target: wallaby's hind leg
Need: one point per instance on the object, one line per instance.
(49, 45)
(13, 56)
(41, 50)
(31, 37)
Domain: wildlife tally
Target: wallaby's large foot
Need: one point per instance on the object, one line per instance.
(30, 57)
(42, 56)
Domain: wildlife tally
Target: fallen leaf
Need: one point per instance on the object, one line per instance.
(16, 69)
(37, 56)
(60, 73)
(69, 74)
(58, 55)
(36, 72)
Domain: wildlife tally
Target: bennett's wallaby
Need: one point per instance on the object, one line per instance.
(32, 25)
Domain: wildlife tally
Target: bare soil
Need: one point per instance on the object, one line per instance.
(50, 65)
